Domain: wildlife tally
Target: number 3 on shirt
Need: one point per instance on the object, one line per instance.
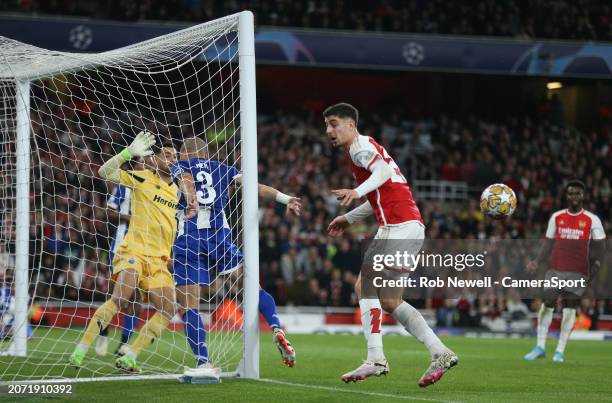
(207, 194)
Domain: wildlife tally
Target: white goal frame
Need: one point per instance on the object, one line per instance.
(249, 365)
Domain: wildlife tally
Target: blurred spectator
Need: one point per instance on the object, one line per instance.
(299, 264)
(558, 19)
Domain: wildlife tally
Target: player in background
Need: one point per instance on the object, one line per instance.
(204, 247)
(390, 200)
(142, 258)
(575, 237)
(118, 211)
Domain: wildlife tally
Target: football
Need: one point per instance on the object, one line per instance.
(498, 200)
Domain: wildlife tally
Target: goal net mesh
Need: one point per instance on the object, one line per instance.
(84, 109)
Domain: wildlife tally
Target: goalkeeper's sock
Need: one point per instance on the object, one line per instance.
(100, 320)
(149, 333)
(196, 335)
(129, 323)
(567, 323)
(267, 307)
(415, 324)
(371, 321)
(545, 316)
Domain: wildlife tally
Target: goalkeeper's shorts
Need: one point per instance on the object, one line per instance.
(152, 270)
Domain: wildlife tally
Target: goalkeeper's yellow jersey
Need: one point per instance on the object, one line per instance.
(153, 205)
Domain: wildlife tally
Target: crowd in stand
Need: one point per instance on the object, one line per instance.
(299, 263)
(558, 19)
(535, 159)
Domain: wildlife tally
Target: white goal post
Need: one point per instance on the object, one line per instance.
(62, 115)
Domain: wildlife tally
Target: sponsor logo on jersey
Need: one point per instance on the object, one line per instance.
(570, 233)
(165, 202)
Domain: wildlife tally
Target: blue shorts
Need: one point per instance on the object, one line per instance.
(200, 256)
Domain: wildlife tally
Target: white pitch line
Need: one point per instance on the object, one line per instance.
(359, 392)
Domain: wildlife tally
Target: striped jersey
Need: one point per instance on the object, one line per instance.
(119, 201)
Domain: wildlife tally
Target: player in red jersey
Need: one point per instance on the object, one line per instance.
(576, 239)
(390, 200)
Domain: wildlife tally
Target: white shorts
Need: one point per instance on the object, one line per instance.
(405, 237)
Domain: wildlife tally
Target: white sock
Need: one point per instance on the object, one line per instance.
(129, 352)
(544, 318)
(371, 321)
(415, 324)
(567, 323)
(82, 347)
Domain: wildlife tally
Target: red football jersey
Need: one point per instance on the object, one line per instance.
(572, 233)
(392, 202)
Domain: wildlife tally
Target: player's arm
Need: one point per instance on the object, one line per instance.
(597, 248)
(359, 213)
(340, 223)
(596, 257)
(546, 247)
(140, 147)
(269, 193)
(381, 172)
(187, 187)
(543, 254)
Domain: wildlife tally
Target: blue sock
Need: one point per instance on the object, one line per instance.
(267, 307)
(196, 335)
(129, 323)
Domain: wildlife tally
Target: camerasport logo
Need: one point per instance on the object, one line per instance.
(413, 53)
(81, 37)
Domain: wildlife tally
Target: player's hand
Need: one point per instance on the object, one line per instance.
(337, 226)
(294, 207)
(532, 266)
(346, 196)
(192, 208)
(141, 146)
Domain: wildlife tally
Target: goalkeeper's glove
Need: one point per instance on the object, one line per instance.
(140, 147)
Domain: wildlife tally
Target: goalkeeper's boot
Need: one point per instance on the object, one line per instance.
(121, 350)
(284, 347)
(102, 345)
(366, 370)
(440, 363)
(537, 352)
(127, 363)
(206, 370)
(558, 357)
(77, 357)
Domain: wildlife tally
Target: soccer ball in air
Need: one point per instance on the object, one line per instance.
(498, 200)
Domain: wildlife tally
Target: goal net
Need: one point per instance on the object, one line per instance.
(62, 115)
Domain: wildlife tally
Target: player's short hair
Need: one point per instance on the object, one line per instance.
(342, 110)
(194, 145)
(577, 183)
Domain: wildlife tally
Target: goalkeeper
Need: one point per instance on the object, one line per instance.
(142, 258)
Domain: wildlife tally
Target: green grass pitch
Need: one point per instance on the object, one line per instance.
(488, 370)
